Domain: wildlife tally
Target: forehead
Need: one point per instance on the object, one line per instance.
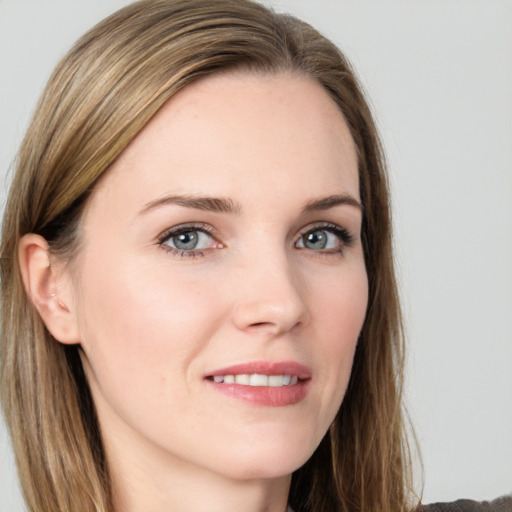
(237, 135)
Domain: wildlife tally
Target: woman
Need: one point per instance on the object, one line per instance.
(195, 180)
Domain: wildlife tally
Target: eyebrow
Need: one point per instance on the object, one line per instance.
(325, 203)
(205, 203)
(226, 205)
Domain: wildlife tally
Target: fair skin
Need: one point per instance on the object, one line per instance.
(269, 275)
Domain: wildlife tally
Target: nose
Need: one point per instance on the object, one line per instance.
(270, 297)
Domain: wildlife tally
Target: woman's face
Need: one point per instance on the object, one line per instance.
(221, 285)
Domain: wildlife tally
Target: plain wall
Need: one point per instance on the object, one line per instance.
(439, 75)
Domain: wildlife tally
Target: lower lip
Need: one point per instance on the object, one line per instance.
(267, 396)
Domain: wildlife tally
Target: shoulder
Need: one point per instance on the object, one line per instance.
(500, 505)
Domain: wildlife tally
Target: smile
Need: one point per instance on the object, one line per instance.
(263, 383)
(257, 380)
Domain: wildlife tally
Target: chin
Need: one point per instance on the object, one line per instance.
(274, 460)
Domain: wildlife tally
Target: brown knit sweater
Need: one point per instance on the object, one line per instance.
(500, 505)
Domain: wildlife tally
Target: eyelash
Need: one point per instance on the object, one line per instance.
(346, 239)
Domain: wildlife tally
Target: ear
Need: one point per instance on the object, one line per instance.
(49, 289)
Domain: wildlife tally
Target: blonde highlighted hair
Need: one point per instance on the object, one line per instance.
(100, 96)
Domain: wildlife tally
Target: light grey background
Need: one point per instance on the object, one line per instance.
(439, 75)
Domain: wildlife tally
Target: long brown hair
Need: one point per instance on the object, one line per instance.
(101, 95)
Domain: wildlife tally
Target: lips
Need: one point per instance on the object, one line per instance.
(264, 383)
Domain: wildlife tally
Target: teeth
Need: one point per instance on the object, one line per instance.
(275, 380)
(243, 379)
(258, 380)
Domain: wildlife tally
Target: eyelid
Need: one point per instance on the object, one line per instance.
(188, 226)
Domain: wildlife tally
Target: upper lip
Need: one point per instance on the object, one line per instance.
(265, 368)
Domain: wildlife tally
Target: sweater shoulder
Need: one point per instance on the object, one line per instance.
(503, 504)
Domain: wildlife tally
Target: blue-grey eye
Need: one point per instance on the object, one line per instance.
(190, 240)
(319, 240)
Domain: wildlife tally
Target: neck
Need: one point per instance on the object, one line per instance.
(201, 496)
(159, 483)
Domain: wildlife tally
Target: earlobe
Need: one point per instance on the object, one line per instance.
(48, 289)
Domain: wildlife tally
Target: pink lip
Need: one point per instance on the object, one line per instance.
(265, 396)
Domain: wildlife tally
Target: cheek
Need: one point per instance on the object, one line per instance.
(340, 313)
(140, 327)
(339, 304)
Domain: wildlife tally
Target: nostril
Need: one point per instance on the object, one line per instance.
(274, 314)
